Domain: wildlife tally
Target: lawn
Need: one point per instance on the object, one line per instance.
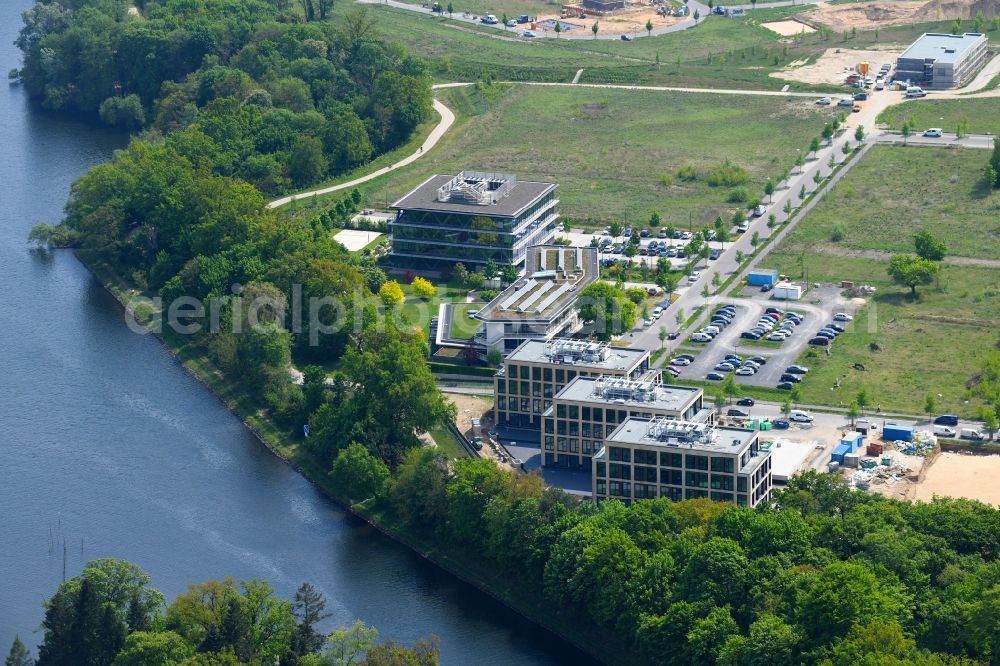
(980, 115)
(900, 348)
(418, 311)
(894, 192)
(462, 327)
(448, 443)
(609, 150)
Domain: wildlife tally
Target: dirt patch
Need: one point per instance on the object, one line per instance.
(958, 475)
(628, 21)
(867, 15)
(940, 10)
(835, 64)
(470, 407)
(788, 28)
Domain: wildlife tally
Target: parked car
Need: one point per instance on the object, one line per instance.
(746, 371)
(800, 416)
(676, 372)
(745, 402)
(477, 443)
(626, 38)
(846, 101)
(760, 360)
(780, 424)
(946, 419)
(861, 96)
(824, 101)
(789, 377)
(934, 132)
(777, 337)
(745, 226)
(835, 327)
(785, 386)
(701, 337)
(714, 254)
(797, 369)
(688, 357)
(724, 367)
(750, 335)
(842, 316)
(820, 341)
(944, 431)
(662, 233)
(714, 376)
(759, 210)
(737, 412)
(680, 362)
(644, 233)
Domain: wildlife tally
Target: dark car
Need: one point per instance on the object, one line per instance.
(773, 310)
(947, 420)
(689, 357)
(766, 287)
(785, 386)
(750, 335)
(745, 402)
(714, 376)
(626, 38)
(737, 412)
(820, 341)
(796, 370)
(836, 327)
(789, 377)
(671, 336)
(829, 335)
(714, 254)
(759, 360)
(781, 424)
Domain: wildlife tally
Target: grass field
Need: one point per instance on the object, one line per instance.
(733, 53)
(980, 115)
(908, 347)
(896, 191)
(419, 312)
(608, 149)
(461, 326)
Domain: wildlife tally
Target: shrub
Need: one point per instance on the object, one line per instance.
(636, 294)
(488, 294)
(391, 293)
(727, 174)
(738, 195)
(687, 173)
(423, 288)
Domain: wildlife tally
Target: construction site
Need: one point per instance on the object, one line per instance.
(613, 17)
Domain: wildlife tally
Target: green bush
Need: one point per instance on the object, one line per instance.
(838, 233)
(738, 195)
(727, 174)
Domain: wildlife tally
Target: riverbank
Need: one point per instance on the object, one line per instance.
(466, 567)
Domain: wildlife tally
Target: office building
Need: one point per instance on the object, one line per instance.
(644, 459)
(542, 304)
(471, 218)
(939, 61)
(538, 369)
(588, 409)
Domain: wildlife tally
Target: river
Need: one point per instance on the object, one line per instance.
(109, 447)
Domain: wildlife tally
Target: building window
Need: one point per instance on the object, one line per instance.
(696, 479)
(560, 427)
(561, 411)
(549, 442)
(574, 412)
(550, 426)
(645, 474)
(547, 374)
(602, 487)
(561, 444)
(722, 464)
(536, 389)
(696, 462)
(618, 471)
(741, 484)
(560, 376)
(741, 500)
(525, 372)
(587, 447)
(586, 414)
(619, 453)
(525, 405)
(585, 429)
(722, 497)
(602, 469)
(598, 414)
(722, 482)
(695, 494)
(672, 476)
(673, 494)
(536, 373)
(669, 459)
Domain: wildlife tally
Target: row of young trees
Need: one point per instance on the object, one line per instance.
(110, 616)
(249, 86)
(823, 575)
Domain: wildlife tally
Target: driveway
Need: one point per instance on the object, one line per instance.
(948, 139)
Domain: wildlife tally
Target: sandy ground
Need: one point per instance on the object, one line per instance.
(957, 475)
(630, 20)
(788, 28)
(471, 407)
(835, 64)
(355, 240)
(870, 15)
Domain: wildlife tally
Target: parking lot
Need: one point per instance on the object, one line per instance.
(817, 309)
(584, 240)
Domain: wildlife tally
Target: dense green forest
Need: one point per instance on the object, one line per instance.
(248, 85)
(110, 616)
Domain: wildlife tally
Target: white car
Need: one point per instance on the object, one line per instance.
(681, 362)
(701, 337)
(801, 417)
(647, 322)
(746, 372)
(777, 337)
(934, 133)
(528, 34)
(842, 316)
(745, 226)
(824, 101)
(694, 276)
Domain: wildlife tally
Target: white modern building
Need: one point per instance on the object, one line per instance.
(662, 457)
(940, 61)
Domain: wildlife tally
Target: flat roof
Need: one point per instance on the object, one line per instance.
(633, 394)
(425, 197)
(622, 359)
(554, 275)
(788, 458)
(940, 47)
(715, 439)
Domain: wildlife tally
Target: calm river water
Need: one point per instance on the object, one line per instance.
(108, 446)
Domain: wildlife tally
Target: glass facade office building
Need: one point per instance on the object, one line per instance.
(471, 218)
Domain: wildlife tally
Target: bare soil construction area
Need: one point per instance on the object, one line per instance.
(628, 21)
(788, 28)
(835, 64)
(872, 15)
(957, 475)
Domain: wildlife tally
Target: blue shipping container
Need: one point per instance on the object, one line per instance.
(760, 278)
(892, 432)
(839, 452)
(855, 442)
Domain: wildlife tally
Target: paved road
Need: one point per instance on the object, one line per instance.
(948, 139)
(714, 91)
(447, 119)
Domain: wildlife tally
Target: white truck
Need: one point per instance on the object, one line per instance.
(971, 433)
(916, 91)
